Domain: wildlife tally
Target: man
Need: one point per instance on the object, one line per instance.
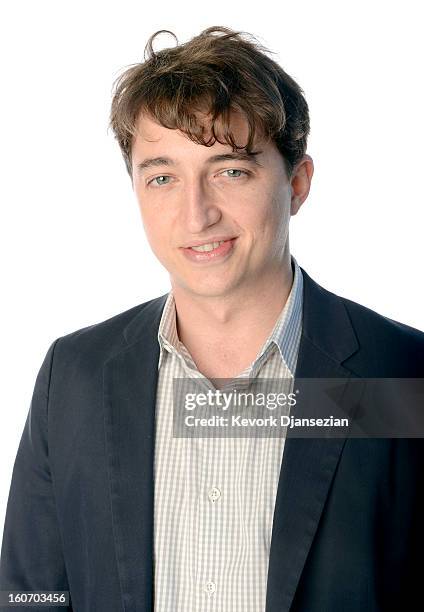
(105, 502)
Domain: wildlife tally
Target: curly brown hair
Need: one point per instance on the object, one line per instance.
(217, 72)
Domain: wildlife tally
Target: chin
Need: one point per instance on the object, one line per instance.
(211, 289)
(208, 281)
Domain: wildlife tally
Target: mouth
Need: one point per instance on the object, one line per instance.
(210, 251)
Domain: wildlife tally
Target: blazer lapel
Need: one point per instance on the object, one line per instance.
(129, 384)
(308, 464)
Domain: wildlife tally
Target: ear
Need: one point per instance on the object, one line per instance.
(301, 182)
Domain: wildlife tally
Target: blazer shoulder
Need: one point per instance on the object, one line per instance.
(364, 316)
(397, 348)
(107, 337)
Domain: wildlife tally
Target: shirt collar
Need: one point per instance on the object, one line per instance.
(288, 327)
(285, 334)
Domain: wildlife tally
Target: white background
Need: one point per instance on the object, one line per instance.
(73, 250)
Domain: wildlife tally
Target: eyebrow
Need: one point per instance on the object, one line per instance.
(236, 156)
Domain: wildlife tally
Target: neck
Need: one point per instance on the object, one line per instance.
(219, 322)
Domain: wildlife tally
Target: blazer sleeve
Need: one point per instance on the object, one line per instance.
(31, 555)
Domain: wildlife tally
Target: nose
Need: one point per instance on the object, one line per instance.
(199, 207)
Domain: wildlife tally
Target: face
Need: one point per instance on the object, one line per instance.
(217, 220)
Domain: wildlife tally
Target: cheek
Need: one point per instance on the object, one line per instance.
(155, 232)
(158, 234)
(270, 219)
(156, 223)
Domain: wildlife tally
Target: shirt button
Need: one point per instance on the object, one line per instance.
(214, 494)
(210, 587)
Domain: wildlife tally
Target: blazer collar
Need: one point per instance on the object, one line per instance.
(129, 386)
(326, 326)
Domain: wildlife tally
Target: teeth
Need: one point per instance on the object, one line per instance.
(207, 247)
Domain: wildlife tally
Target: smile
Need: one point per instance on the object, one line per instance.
(210, 251)
(210, 246)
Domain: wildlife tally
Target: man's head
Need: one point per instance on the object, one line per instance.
(213, 133)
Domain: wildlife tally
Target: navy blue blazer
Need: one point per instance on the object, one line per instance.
(348, 531)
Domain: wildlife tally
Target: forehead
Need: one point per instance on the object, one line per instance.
(150, 134)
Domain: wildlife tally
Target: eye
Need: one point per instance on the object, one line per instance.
(236, 172)
(159, 180)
